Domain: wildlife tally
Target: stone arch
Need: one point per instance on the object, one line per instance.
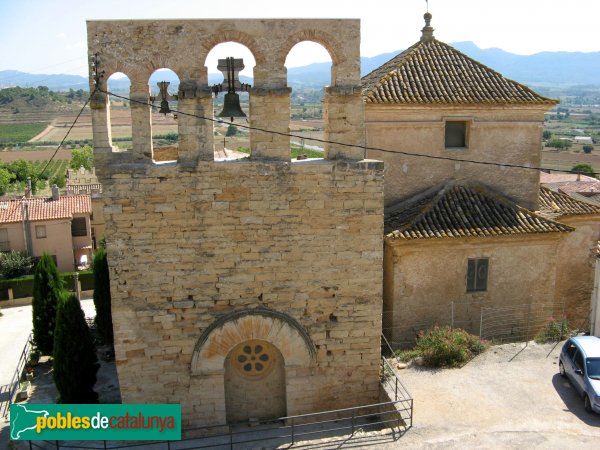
(229, 330)
(320, 37)
(226, 35)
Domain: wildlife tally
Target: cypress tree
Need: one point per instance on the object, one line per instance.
(102, 297)
(75, 361)
(47, 288)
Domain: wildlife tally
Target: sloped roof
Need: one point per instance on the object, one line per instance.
(557, 204)
(432, 72)
(458, 211)
(45, 208)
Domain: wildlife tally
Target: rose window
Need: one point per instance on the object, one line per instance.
(253, 358)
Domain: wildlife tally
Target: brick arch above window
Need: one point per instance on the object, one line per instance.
(274, 327)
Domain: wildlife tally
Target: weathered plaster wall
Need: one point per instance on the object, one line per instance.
(429, 275)
(503, 135)
(575, 272)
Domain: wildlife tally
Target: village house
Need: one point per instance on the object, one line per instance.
(58, 225)
(83, 181)
(460, 236)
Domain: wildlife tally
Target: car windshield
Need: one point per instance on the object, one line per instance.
(593, 368)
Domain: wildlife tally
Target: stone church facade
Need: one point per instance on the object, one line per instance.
(248, 288)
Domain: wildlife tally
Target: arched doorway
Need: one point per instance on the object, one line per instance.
(254, 382)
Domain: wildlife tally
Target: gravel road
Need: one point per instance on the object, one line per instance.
(509, 397)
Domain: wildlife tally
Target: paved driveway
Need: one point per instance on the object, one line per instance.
(15, 326)
(509, 397)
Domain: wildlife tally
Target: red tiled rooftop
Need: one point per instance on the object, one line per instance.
(45, 208)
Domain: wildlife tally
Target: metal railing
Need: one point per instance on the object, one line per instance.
(13, 386)
(289, 430)
(395, 414)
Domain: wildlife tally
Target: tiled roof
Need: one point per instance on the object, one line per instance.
(45, 208)
(432, 72)
(556, 204)
(458, 211)
(555, 177)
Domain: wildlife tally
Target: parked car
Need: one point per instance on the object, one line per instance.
(580, 362)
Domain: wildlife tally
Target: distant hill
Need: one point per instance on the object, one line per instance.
(563, 68)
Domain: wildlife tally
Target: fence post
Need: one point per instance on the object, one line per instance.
(481, 323)
(293, 441)
(77, 288)
(452, 315)
(527, 325)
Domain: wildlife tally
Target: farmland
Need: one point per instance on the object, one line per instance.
(20, 132)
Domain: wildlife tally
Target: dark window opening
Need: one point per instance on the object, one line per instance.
(456, 134)
(477, 275)
(79, 227)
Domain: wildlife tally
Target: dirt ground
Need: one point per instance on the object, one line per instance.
(509, 397)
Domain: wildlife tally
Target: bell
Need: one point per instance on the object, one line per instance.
(164, 107)
(231, 106)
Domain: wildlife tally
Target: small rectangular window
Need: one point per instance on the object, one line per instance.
(79, 227)
(477, 275)
(4, 244)
(456, 134)
(40, 231)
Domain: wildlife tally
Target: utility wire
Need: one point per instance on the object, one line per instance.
(28, 191)
(363, 147)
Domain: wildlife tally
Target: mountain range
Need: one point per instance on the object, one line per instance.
(554, 68)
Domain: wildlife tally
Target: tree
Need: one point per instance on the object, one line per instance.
(559, 144)
(102, 299)
(14, 264)
(546, 135)
(82, 157)
(588, 148)
(231, 130)
(47, 289)
(6, 177)
(75, 363)
(583, 168)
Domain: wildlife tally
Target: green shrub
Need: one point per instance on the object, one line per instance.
(445, 347)
(75, 363)
(553, 331)
(15, 264)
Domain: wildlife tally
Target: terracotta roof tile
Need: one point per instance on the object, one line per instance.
(463, 211)
(45, 208)
(432, 72)
(556, 204)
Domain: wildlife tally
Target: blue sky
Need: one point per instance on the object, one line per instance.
(49, 36)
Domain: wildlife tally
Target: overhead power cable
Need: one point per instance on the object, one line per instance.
(27, 191)
(363, 147)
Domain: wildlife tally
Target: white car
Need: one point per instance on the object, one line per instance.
(580, 362)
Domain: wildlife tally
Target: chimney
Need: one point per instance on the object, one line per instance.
(578, 176)
(28, 190)
(55, 192)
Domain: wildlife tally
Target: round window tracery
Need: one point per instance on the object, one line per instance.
(253, 358)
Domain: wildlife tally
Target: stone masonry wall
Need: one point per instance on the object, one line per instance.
(186, 246)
